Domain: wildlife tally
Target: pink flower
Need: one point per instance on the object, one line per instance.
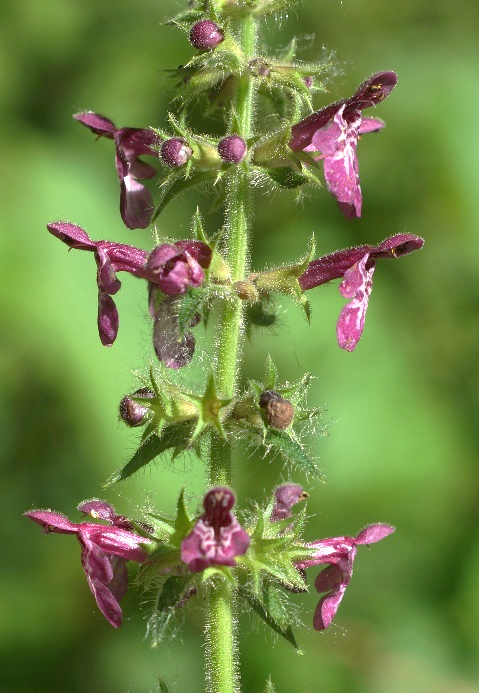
(217, 537)
(105, 551)
(172, 267)
(356, 267)
(332, 134)
(340, 553)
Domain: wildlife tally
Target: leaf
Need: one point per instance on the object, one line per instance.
(163, 687)
(173, 436)
(261, 609)
(189, 307)
(179, 185)
(173, 591)
(291, 450)
(269, 687)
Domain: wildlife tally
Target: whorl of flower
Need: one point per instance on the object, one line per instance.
(217, 537)
(136, 202)
(133, 413)
(332, 134)
(105, 551)
(232, 149)
(206, 35)
(356, 267)
(284, 498)
(340, 553)
(118, 257)
(175, 152)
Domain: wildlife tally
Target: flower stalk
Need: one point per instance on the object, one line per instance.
(221, 643)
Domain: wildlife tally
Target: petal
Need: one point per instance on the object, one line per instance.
(106, 277)
(303, 132)
(71, 234)
(328, 579)
(373, 90)
(108, 319)
(332, 266)
(397, 245)
(116, 541)
(95, 564)
(370, 125)
(52, 521)
(119, 583)
(106, 602)
(326, 609)
(198, 250)
(98, 509)
(284, 498)
(341, 163)
(357, 284)
(133, 142)
(374, 533)
(136, 203)
(97, 123)
(172, 348)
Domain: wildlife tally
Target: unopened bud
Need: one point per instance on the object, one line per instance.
(133, 413)
(175, 152)
(232, 149)
(206, 35)
(278, 412)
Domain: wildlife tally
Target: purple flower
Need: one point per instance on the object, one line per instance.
(284, 498)
(217, 537)
(332, 134)
(136, 203)
(175, 270)
(105, 551)
(356, 267)
(183, 269)
(340, 553)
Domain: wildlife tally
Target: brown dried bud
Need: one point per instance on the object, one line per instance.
(279, 412)
(133, 413)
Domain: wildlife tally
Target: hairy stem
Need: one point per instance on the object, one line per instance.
(221, 642)
(221, 645)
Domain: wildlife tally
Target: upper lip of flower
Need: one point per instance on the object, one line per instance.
(373, 90)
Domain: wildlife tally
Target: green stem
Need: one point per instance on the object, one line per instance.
(221, 643)
(220, 632)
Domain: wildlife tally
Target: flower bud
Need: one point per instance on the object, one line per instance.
(175, 152)
(278, 412)
(133, 413)
(206, 35)
(232, 149)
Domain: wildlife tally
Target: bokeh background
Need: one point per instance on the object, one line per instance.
(403, 409)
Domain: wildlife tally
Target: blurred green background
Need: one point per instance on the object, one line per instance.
(404, 407)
